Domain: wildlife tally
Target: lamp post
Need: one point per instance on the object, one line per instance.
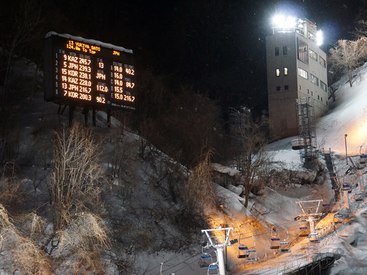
(346, 152)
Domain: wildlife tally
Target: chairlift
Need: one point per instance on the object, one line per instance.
(275, 241)
(338, 218)
(213, 268)
(285, 245)
(252, 254)
(358, 197)
(206, 260)
(326, 207)
(304, 231)
(242, 248)
(346, 187)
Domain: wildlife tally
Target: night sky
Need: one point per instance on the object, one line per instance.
(216, 47)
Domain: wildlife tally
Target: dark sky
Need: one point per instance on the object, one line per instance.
(217, 46)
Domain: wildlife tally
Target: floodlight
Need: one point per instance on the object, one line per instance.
(319, 38)
(278, 20)
(291, 22)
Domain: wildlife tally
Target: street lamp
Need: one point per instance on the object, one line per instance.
(346, 152)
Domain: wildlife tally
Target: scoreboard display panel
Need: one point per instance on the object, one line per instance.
(86, 72)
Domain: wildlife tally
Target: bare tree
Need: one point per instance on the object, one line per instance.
(76, 176)
(252, 158)
(348, 55)
(18, 31)
(199, 190)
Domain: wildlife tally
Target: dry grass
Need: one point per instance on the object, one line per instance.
(20, 253)
(84, 238)
(76, 175)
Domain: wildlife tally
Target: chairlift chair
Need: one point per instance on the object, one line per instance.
(285, 244)
(358, 197)
(252, 253)
(206, 260)
(326, 207)
(242, 248)
(346, 187)
(274, 240)
(338, 218)
(304, 231)
(213, 268)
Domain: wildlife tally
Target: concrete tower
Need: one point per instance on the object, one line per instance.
(296, 71)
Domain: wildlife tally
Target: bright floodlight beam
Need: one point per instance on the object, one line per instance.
(319, 38)
(280, 21)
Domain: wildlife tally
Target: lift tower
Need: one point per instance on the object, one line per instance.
(307, 129)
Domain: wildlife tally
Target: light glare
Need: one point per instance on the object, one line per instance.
(319, 38)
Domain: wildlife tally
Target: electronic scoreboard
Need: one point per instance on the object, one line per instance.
(85, 72)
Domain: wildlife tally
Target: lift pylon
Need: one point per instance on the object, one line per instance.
(311, 213)
(219, 266)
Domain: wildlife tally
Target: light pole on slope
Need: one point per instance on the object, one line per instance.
(346, 151)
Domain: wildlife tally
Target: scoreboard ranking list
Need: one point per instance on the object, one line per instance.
(88, 72)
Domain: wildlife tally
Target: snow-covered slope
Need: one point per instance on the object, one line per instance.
(347, 116)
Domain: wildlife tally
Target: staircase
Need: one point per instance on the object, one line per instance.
(330, 167)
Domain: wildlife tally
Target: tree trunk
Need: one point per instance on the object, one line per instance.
(247, 195)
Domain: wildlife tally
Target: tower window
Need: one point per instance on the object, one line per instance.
(276, 51)
(302, 73)
(313, 54)
(302, 51)
(278, 88)
(285, 50)
(277, 72)
(286, 87)
(322, 61)
(285, 71)
(314, 80)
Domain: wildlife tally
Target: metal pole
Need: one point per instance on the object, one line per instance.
(221, 265)
(346, 152)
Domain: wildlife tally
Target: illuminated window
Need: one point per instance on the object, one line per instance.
(323, 85)
(302, 73)
(276, 51)
(302, 51)
(286, 87)
(285, 71)
(314, 79)
(313, 55)
(277, 72)
(322, 62)
(285, 50)
(311, 36)
(278, 88)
